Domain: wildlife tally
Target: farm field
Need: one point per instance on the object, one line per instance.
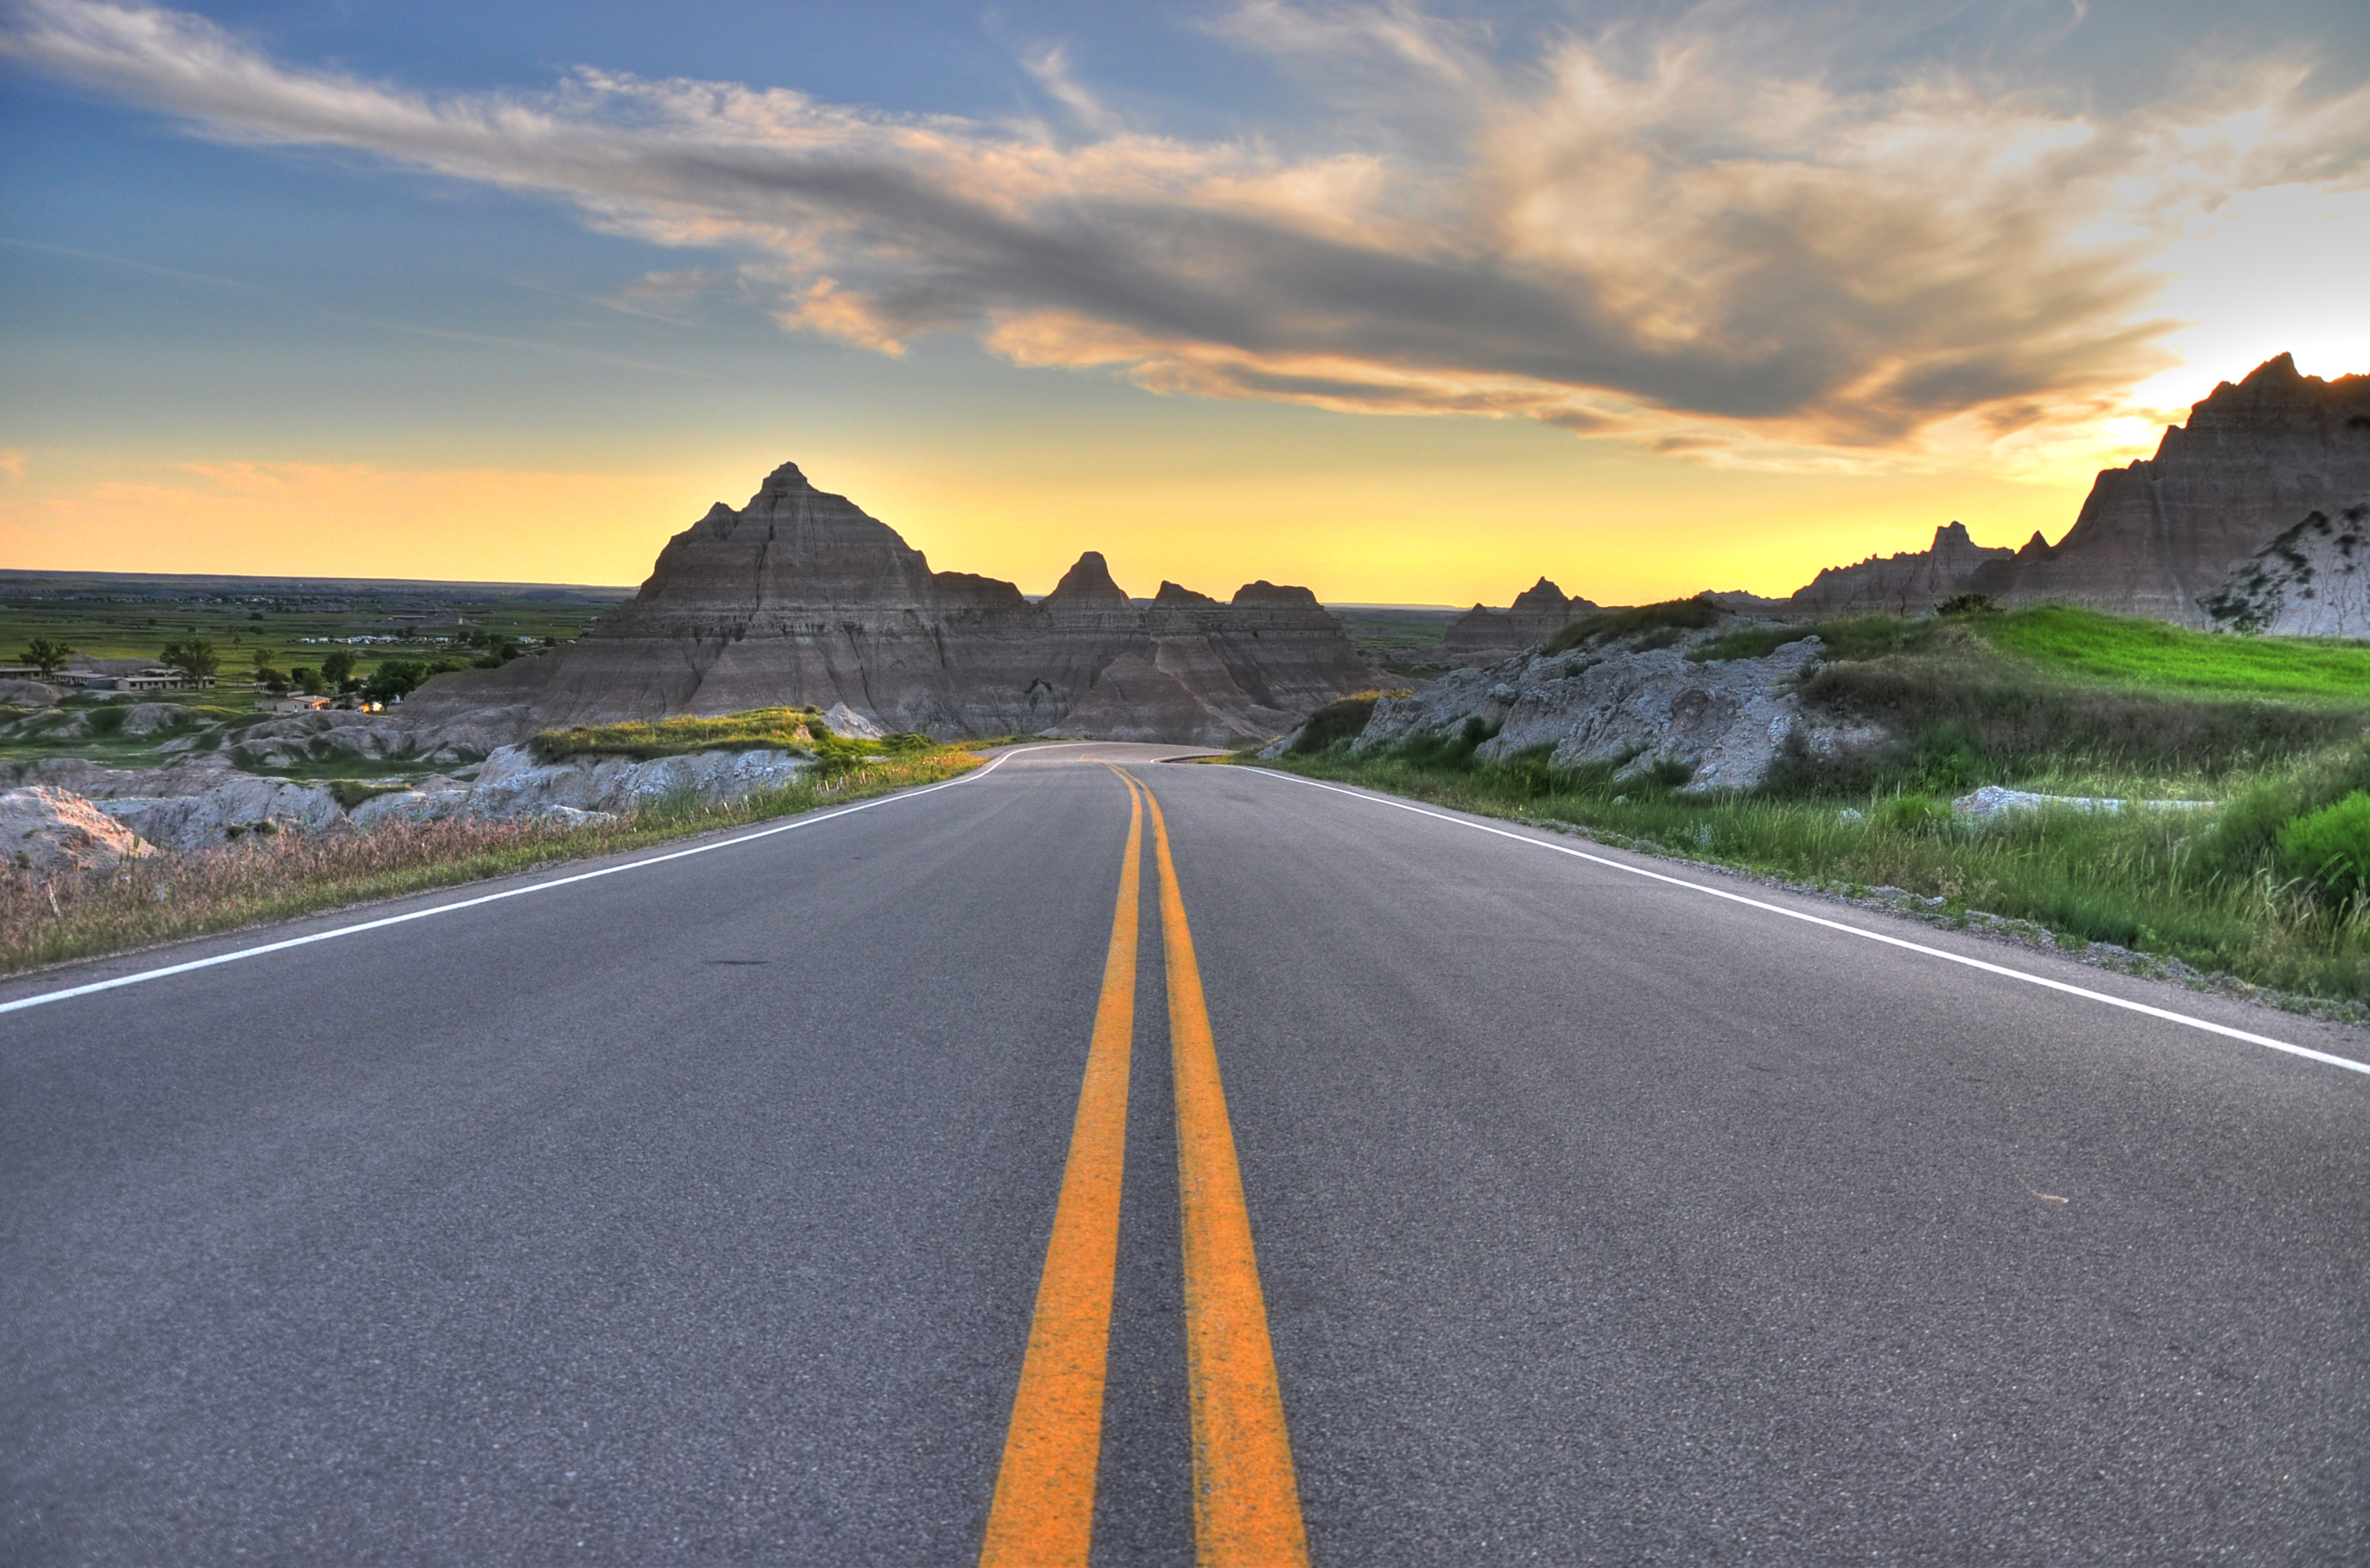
(284, 623)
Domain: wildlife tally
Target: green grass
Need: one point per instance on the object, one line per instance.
(2090, 645)
(1664, 623)
(799, 729)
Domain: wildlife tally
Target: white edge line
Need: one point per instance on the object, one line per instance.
(2169, 1017)
(796, 822)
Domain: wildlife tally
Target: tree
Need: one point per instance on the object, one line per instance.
(337, 668)
(271, 680)
(306, 679)
(46, 654)
(197, 659)
(394, 679)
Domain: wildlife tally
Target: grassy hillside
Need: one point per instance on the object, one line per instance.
(2088, 645)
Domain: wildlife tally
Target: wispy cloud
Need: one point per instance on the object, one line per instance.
(1050, 66)
(1656, 233)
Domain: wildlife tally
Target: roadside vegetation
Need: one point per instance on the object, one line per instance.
(800, 730)
(2270, 885)
(269, 876)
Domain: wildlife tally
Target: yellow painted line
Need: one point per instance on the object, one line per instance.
(1044, 1509)
(1246, 1499)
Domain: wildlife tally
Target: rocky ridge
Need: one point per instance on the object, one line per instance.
(1724, 723)
(1906, 583)
(800, 598)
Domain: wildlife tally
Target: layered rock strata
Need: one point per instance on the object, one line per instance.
(2169, 535)
(799, 597)
(1483, 636)
(1907, 584)
(2161, 537)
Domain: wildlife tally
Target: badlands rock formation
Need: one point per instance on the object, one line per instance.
(2161, 537)
(2311, 580)
(1907, 584)
(48, 829)
(1483, 636)
(1728, 721)
(2164, 536)
(799, 597)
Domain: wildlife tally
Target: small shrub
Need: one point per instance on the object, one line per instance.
(1968, 605)
(1337, 721)
(1748, 643)
(1947, 758)
(1912, 813)
(2331, 847)
(351, 792)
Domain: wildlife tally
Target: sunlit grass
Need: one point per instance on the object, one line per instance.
(2128, 651)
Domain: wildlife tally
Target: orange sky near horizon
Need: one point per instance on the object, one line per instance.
(1428, 530)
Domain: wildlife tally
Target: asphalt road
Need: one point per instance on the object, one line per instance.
(698, 1213)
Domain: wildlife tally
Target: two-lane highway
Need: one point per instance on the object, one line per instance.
(804, 1200)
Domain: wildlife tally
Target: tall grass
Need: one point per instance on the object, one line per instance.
(2214, 891)
(47, 920)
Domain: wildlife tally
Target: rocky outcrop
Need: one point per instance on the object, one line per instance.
(798, 597)
(234, 805)
(2311, 580)
(1907, 584)
(28, 693)
(1725, 723)
(2164, 536)
(514, 784)
(48, 829)
(1484, 636)
(107, 812)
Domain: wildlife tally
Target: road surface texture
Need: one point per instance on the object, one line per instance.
(705, 1212)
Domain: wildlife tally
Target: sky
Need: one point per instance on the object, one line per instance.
(1407, 303)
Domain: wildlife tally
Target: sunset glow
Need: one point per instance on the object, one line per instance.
(1408, 306)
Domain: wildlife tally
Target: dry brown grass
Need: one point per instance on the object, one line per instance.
(48, 919)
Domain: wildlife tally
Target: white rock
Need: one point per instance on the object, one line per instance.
(241, 801)
(848, 724)
(1992, 800)
(512, 783)
(45, 829)
(28, 693)
(434, 798)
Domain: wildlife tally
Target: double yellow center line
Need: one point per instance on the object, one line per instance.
(1246, 1501)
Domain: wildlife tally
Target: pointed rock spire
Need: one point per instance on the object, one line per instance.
(1088, 586)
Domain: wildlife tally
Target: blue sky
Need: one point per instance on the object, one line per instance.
(1410, 303)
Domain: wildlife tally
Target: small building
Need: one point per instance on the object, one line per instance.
(159, 679)
(297, 702)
